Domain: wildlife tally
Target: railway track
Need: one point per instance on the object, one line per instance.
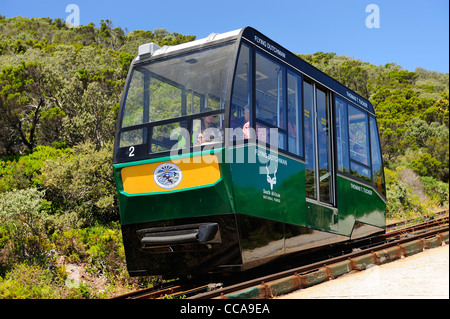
(414, 221)
(400, 240)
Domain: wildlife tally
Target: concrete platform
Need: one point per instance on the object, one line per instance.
(419, 276)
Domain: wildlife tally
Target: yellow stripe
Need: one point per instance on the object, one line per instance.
(200, 171)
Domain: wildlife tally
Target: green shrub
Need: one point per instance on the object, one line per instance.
(426, 164)
(402, 202)
(99, 246)
(21, 172)
(437, 190)
(4, 237)
(21, 214)
(83, 184)
(27, 281)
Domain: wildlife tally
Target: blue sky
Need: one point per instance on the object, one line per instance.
(411, 33)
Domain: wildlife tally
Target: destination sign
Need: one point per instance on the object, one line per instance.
(272, 48)
(357, 100)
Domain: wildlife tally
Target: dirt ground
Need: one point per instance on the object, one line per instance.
(421, 276)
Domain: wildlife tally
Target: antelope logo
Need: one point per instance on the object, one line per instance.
(271, 180)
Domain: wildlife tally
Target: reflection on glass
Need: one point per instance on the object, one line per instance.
(240, 114)
(208, 129)
(173, 93)
(269, 92)
(324, 148)
(134, 137)
(342, 136)
(165, 137)
(377, 161)
(310, 151)
(294, 119)
(358, 135)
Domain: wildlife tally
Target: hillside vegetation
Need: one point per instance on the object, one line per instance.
(59, 97)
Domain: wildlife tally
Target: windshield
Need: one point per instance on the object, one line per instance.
(182, 92)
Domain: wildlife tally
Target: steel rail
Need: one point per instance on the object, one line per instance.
(417, 227)
(422, 219)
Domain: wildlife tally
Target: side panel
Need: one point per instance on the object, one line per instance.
(358, 203)
(322, 217)
(270, 186)
(261, 240)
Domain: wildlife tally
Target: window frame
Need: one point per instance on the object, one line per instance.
(300, 127)
(375, 144)
(255, 121)
(283, 90)
(369, 116)
(353, 160)
(134, 152)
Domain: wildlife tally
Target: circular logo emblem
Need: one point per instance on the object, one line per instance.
(167, 175)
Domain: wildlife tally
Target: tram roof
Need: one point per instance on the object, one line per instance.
(213, 37)
(267, 44)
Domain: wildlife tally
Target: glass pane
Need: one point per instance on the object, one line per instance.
(161, 137)
(358, 135)
(342, 136)
(294, 120)
(360, 171)
(324, 149)
(377, 161)
(134, 110)
(310, 161)
(213, 104)
(208, 129)
(192, 103)
(188, 84)
(135, 137)
(165, 100)
(269, 92)
(240, 113)
(264, 134)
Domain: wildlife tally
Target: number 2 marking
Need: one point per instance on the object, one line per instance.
(131, 150)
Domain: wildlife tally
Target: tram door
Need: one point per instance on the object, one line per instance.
(318, 153)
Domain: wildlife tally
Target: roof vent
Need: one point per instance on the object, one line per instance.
(148, 49)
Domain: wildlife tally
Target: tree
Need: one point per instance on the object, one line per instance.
(25, 92)
(353, 74)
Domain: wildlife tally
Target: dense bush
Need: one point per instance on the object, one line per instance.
(100, 246)
(23, 215)
(403, 203)
(437, 190)
(31, 282)
(83, 184)
(20, 172)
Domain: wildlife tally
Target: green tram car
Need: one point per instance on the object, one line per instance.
(231, 151)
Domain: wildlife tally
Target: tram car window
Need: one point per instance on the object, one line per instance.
(295, 123)
(342, 140)
(359, 143)
(241, 101)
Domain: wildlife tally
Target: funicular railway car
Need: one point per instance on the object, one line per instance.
(231, 151)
